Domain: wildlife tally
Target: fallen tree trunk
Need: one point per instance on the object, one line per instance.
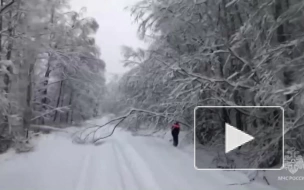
(45, 128)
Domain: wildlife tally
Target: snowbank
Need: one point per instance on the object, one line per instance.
(276, 179)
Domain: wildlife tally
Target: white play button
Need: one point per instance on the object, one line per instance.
(235, 138)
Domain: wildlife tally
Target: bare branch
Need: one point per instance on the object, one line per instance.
(6, 6)
(48, 112)
(202, 78)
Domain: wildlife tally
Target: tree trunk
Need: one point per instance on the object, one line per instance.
(10, 41)
(72, 118)
(96, 110)
(280, 30)
(7, 79)
(1, 28)
(281, 38)
(58, 100)
(225, 20)
(44, 100)
(70, 112)
(61, 105)
(28, 108)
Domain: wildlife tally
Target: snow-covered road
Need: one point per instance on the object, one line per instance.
(121, 162)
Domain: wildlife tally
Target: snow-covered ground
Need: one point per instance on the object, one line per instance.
(123, 161)
(281, 180)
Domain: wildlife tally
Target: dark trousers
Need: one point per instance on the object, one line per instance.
(175, 133)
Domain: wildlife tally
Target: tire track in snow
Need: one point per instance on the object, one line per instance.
(81, 183)
(128, 175)
(118, 166)
(160, 169)
(177, 167)
(137, 167)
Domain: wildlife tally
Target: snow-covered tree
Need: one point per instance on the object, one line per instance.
(51, 71)
(220, 52)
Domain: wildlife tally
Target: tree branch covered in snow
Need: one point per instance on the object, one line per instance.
(216, 53)
(84, 135)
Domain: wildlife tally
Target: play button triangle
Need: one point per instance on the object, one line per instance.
(235, 138)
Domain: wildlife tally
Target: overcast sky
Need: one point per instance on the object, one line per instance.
(116, 28)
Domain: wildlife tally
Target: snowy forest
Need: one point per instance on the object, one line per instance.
(201, 53)
(217, 52)
(51, 72)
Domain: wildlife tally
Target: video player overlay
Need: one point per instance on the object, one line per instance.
(239, 138)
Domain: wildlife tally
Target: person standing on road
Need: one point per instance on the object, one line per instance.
(175, 131)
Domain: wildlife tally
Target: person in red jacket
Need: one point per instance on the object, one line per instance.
(175, 131)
